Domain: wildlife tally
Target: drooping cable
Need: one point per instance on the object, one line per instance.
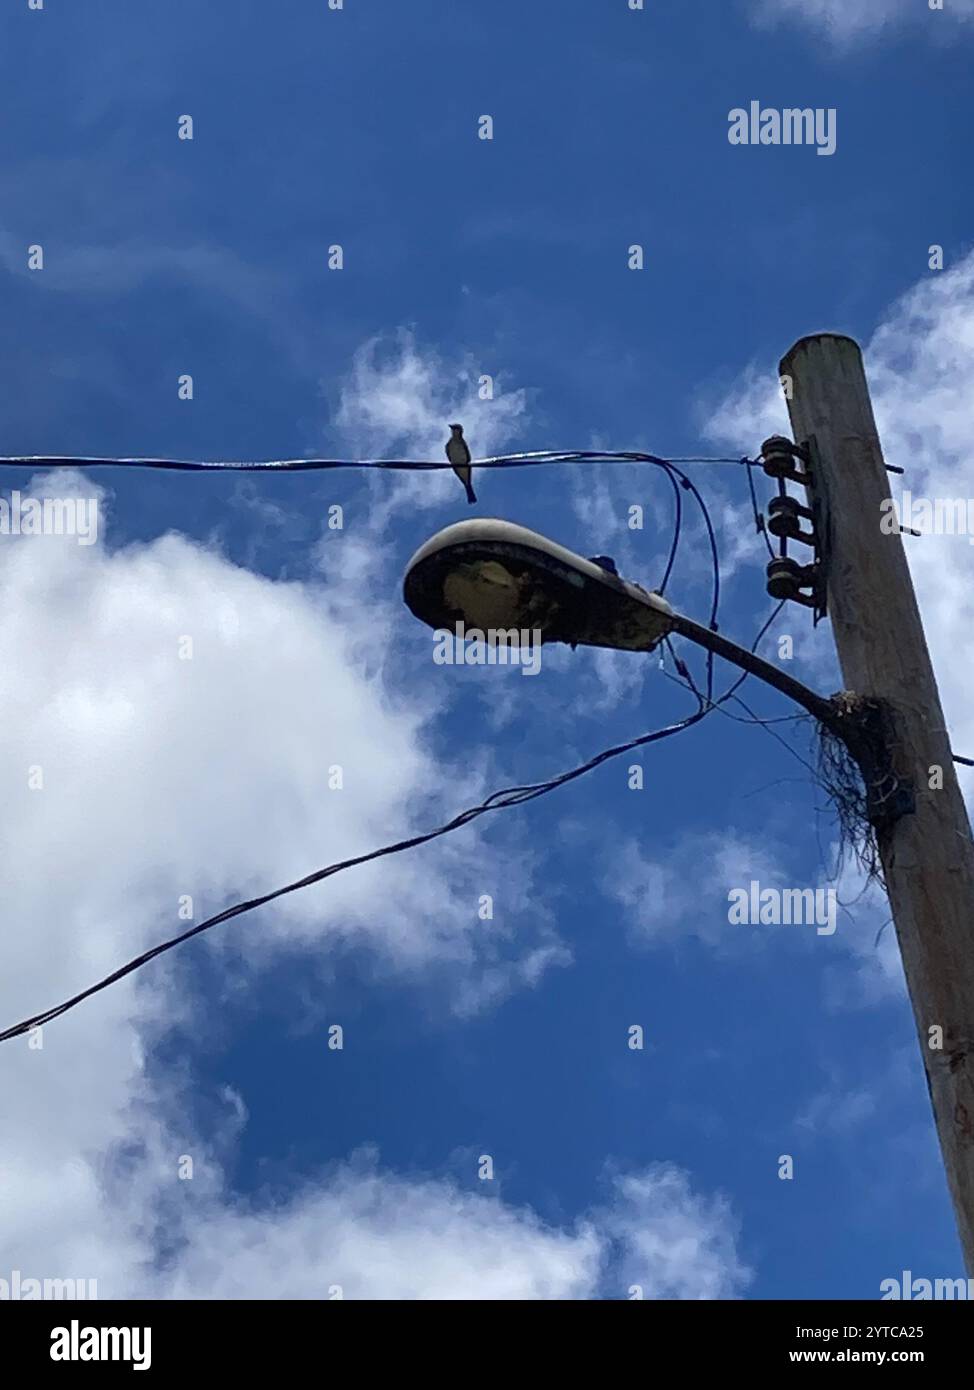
(513, 796)
(759, 522)
(498, 800)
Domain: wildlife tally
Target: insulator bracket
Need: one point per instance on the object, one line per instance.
(778, 456)
(785, 515)
(787, 579)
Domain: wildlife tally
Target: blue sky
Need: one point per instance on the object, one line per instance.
(315, 1169)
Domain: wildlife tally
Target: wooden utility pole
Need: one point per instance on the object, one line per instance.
(927, 855)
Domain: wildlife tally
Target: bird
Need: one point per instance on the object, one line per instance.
(459, 456)
(605, 562)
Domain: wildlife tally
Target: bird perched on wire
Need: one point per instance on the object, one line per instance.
(459, 456)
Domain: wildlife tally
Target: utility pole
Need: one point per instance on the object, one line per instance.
(927, 855)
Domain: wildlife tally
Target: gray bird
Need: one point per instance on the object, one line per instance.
(459, 456)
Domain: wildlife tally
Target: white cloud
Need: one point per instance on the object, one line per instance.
(751, 411)
(866, 931)
(671, 1242)
(369, 1233)
(375, 1235)
(209, 776)
(847, 20)
(680, 890)
(379, 1236)
(841, 19)
(837, 1111)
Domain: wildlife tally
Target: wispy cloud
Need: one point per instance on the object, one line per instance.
(682, 889)
(398, 401)
(150, 781)
(845, 21)
(364, 1232)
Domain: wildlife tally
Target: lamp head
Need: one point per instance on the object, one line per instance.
(492, 574)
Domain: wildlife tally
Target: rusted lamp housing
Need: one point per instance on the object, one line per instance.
(492, 574)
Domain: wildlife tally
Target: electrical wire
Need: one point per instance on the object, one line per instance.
(691, 487)
(754, 646)
(528, 460)
(514, 796)
(759, 522)
(715, 563)
(535, 458)
(499, 800)
(764, 723)
(677, 530)
(685, 679)
(756, 721)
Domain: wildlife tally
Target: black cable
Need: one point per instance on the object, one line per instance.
(500, 800)
(758, 518)
(523, 460)
(754, 646)
(539, 457)
(690, 487)
(754, 720)
(685, 677)
(677, 529)
(774, 734)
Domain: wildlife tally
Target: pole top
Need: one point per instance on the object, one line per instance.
(810, 338)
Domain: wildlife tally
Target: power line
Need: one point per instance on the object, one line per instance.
(529, 460)
(689, 486)
(499, 800)
(677, 530)
(685, 678)
(533, 459)
(759, 523)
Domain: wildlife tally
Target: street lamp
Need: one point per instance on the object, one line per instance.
(494, 575)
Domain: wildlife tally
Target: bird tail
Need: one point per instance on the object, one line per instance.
(471, 495)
